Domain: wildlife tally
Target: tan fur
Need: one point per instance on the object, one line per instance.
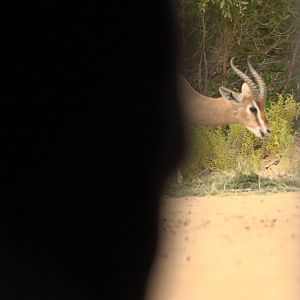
(200, 109)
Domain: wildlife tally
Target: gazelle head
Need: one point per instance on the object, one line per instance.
(250, 104)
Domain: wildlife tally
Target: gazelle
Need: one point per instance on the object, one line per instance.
(246, 108)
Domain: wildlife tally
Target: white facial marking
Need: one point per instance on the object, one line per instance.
(261, 131)
(256, 131)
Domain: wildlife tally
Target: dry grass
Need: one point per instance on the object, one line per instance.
(233, 182)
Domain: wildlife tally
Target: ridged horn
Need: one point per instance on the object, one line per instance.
(246, 78)
(262, 86)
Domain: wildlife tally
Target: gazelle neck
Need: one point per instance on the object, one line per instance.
(200, 109)
(211, 111)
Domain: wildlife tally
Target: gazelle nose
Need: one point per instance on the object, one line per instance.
(269, 130)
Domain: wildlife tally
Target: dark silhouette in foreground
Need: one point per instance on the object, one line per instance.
(90, 129)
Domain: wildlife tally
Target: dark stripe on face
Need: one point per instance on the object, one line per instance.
(258, 114)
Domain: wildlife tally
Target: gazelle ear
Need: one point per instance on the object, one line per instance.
(246, 89)
(230, 95)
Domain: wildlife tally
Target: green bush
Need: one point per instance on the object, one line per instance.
(235, 148)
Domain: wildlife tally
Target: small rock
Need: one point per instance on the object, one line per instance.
(273, 222)
(187, 222)
(205, 223)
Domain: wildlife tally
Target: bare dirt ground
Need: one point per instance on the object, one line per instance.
(235, 247)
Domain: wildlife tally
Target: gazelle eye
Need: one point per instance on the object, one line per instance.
(253, 110)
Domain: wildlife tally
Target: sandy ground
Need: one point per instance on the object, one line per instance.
(235, 247)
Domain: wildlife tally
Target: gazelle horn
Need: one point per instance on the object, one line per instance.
(262, 86)
(243, 76)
